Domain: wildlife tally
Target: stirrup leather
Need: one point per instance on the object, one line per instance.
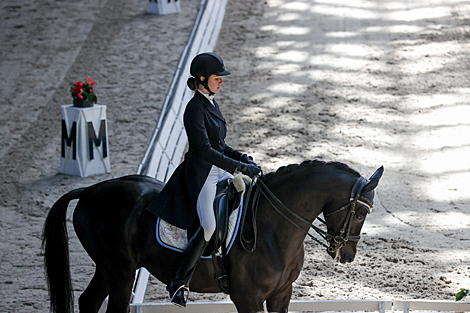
(178, 301)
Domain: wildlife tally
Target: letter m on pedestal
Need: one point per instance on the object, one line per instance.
(69, 140)
(97, 140)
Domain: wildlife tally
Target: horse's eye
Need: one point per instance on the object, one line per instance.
(359, 216)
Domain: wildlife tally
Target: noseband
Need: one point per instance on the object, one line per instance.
(336, 241)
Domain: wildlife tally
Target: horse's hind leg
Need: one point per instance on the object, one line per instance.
(279, 301)
(91, 299)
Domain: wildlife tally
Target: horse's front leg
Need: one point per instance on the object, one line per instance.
(91, 299)
(246, 301)
(120, 291)
(279, 301)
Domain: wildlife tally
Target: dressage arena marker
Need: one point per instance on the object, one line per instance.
(163, 7)
(84, 141)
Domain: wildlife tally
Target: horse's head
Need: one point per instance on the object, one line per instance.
(345, 224)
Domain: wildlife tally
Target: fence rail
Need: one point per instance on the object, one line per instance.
(431, 305)
(380, 305)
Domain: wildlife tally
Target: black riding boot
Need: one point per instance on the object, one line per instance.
(180, 283)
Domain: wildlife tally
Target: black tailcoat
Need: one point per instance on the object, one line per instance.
(206, 130)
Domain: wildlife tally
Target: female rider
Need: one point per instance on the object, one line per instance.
(192, 187)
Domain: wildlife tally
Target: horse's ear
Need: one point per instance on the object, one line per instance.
(373, 180)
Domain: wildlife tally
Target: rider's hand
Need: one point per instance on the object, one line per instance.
(249, 169)
(247, 159)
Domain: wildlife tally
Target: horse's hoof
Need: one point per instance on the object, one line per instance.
(179, 298)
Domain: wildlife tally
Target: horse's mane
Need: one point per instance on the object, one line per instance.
(283, 170)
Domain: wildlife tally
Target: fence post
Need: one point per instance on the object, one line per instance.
(406, 307)
(382, 307)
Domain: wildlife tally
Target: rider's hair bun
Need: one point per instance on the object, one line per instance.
(192, 83)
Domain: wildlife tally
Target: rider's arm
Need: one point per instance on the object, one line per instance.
(232, 153)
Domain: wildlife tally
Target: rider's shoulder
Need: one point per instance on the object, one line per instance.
(195, 104)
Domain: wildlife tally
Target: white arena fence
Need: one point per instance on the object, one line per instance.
(169, 140)
(381, 306)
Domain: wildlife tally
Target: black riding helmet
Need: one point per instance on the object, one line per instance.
(205, 65)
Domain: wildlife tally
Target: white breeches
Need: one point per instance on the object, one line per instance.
(205, 201)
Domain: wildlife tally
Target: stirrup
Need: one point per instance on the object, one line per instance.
(178, 299)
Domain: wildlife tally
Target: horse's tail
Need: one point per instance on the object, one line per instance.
(56, 254)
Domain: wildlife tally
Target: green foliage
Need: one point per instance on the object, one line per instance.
(462, 294)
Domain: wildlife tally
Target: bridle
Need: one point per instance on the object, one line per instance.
(336, 241)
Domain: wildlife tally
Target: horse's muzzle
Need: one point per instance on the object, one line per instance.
(343, 252)
(347, 253)
(347, 259)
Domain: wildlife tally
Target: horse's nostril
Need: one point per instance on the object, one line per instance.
(348, 259)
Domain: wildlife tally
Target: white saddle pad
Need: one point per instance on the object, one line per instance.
(176, 238)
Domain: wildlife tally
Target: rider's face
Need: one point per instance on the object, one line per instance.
(214, 83)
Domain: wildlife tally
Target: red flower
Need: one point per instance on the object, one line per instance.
(83, 91)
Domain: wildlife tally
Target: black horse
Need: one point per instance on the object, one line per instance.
(118, 233)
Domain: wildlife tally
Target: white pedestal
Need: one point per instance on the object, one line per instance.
(84, 141)
(163, 7)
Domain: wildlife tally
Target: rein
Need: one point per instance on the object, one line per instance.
(336, 242)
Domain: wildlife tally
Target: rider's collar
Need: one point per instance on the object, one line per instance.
(208, 97)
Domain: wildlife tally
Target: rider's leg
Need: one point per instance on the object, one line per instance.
(179, 287)
(205, 203)
(198, 242)
(223, 174)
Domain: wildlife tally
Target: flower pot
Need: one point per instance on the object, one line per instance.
(82, 103)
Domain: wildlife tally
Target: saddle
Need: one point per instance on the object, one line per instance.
(227, 213)
(228, 198)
